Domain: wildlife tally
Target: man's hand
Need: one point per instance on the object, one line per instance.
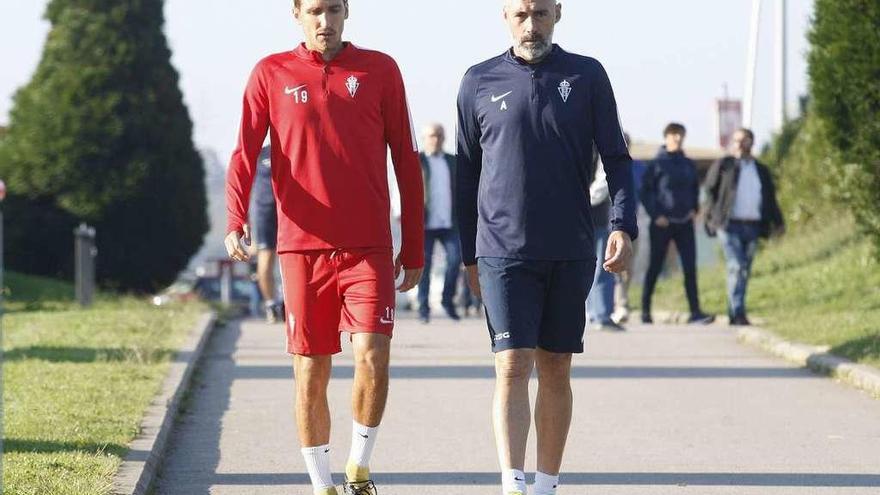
(618, 253)
(662, 222)
(234, 242)
(411, 276)
(473, 280)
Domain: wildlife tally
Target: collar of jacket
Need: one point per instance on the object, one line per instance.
(511, 58)
(315, 58)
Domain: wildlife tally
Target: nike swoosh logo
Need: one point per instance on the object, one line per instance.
(520, 479)
(495, 99)
(290, 91)
(365, 436)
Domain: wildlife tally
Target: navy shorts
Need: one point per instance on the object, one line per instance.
(536, 304)
(265, 228)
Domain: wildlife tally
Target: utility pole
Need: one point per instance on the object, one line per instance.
(781, 116)
(751, 65)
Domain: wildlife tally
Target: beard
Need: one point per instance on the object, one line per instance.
(536, 47)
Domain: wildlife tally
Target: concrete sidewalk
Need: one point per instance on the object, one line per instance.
(658, 410)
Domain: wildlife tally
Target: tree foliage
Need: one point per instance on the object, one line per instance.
(844, 67)
(100, 134)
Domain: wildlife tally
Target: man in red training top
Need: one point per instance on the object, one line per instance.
(332, 110)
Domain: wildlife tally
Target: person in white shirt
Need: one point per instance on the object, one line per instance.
(438, 171)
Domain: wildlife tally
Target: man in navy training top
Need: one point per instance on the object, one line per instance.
(527, 122)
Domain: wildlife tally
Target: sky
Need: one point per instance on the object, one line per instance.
(667, 60)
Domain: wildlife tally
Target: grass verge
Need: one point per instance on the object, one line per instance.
(77, 381)
(819, 285)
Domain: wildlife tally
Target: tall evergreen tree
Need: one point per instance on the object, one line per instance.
(100, 134)
(845, 85)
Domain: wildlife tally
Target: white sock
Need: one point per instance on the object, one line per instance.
(545, 484)
(318, 464)
(513, 480)
(363, 439)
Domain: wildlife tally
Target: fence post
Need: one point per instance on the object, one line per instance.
(85, 253)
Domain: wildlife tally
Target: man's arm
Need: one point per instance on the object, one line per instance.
(469, 164)
(713, 176)
(401, 139)
(609, 140)
(648, 190)
(243, 164)
(696, 189)
(777, 222)
(599, 188)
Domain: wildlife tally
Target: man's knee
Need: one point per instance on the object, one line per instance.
(514, 365)
(312, 374)
(372, 355)
(553, 368)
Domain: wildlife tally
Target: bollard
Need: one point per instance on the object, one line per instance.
(225, 282)
(84, 260)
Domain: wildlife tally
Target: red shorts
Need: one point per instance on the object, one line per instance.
(331, 291)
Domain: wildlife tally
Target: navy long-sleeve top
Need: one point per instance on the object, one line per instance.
(525, 143)
(671, 187)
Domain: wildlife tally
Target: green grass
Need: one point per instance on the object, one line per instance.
(819, 285)
(77, 382)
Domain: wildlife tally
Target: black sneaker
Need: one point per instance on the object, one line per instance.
(740, 321)
(701, 319)
(359, 488)
(646, 319)
(451, 312)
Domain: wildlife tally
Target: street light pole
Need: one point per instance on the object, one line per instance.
(781, 65)
(751, 65)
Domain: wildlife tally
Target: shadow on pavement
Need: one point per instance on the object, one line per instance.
(201, 421)
(586, 372)
(588, 479)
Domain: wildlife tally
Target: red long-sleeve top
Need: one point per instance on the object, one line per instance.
(330, 125)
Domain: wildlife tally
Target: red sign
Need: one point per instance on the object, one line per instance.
(728, 120)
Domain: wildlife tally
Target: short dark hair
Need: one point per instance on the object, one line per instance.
(748, 132)
(674, 128)
(296, 3)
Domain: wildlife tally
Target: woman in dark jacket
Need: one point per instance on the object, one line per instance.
(671, 192)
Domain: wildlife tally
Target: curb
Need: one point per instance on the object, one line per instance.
(815, 358)
(141, 465)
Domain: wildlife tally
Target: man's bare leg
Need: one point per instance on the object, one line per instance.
(312, 375)
(511, 411)
(552, 409)
(372, 353)
(266, 273)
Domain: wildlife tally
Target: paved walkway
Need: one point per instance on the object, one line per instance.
(658, 410)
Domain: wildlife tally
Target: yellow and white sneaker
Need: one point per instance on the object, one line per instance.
(357, 481)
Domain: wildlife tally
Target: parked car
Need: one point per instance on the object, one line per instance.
(205, 285)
